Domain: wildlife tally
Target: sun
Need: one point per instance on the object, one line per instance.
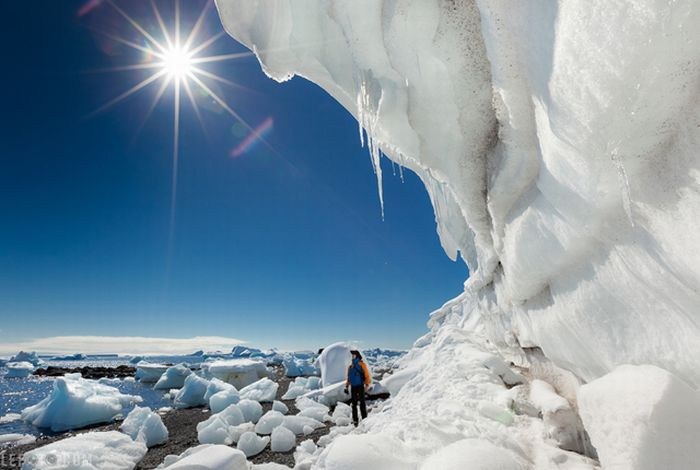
(177, 62)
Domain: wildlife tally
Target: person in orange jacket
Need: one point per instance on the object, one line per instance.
(359, 380)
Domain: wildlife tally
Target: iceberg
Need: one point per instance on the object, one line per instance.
(88, 451)
(75, 402)
(18, 370)
(70, 357)
(24, 356)
(334, 362)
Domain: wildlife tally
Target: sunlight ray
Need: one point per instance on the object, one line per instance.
(207, 43)
(214, 76)
(219, 58)
(159, 18)
(220, 102)
(131, 44)
(156, 99)
(128, 92)
(122, 68)
(197, 26)
(195, 106)
(177, 24)
(137, 26)
(176, 155)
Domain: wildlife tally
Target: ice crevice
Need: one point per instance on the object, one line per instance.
(558, 143)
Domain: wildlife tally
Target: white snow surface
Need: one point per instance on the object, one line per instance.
(75, 402)
(642, 418)
(18, 370)
(558, 143)
(89, 451)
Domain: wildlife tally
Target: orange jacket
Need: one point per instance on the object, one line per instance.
(368, 378)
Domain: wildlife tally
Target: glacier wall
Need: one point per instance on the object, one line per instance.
(558, 142)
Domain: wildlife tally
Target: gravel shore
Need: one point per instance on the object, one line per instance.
(182, 430)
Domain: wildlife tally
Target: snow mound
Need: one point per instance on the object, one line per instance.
(282, 440)
(264, 390)
(251, 444)
(89, 451)
(473, 454)
(173, 377)
(642, 418)
(363, 451)
(75, 402)
(207, 457)
(192, 392)
(18, 370)
(145, 426)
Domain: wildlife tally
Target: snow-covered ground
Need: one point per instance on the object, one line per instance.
(558, 143)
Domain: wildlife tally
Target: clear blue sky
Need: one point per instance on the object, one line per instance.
(284, 249)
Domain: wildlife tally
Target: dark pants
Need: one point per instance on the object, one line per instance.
(357, 393)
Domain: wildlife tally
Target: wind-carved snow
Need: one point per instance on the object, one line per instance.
(558, 143)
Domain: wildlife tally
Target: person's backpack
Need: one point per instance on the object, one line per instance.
(357, 375)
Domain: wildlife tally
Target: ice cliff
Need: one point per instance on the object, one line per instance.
(558, 142)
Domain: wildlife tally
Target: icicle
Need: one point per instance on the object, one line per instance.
(367, 118)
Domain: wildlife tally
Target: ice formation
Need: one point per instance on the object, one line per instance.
(88, 451)
(268, 422)
(24, 356)
(145, 426)
(18, 370)
(192, 393)
(238, 372)
(219, 427)
(75, 402)
(264, 390)
(16, 439)
(173, 377)
(558, 143)
(282, 440)
(251, 444)
(207, 457)
(334, 362)
(147, 372)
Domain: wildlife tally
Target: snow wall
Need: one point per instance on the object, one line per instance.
(558, 142)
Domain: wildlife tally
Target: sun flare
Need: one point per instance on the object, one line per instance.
(177, 62)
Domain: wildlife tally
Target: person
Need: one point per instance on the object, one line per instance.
(359, 380)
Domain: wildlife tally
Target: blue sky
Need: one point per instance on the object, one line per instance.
(281, 248)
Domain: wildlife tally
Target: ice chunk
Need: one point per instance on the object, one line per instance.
(297, 366)
(192, 393)
(221, 400)
(238, 372)
(18, 370)
(173, 377)
(216, 386)
(70, 357)
(296, 423)
(341, 413)
(10, 417)
(75, 402)
(264, 390)
(279, 406)
(269, 422)
(235, 432)
(207, 457)
(218, 428)
(16, 439)
(474, 454)
(145, 426)
(283, 440)
(315, 412)
(147, 372)
(642, 418)
(334, 362)
(251, 444)
(270, 466)
(364, 451)
(561, 421)
(24, 356)
(89, 451)
(252, 410)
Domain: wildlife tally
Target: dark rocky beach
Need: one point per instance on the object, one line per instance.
(181, 424)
